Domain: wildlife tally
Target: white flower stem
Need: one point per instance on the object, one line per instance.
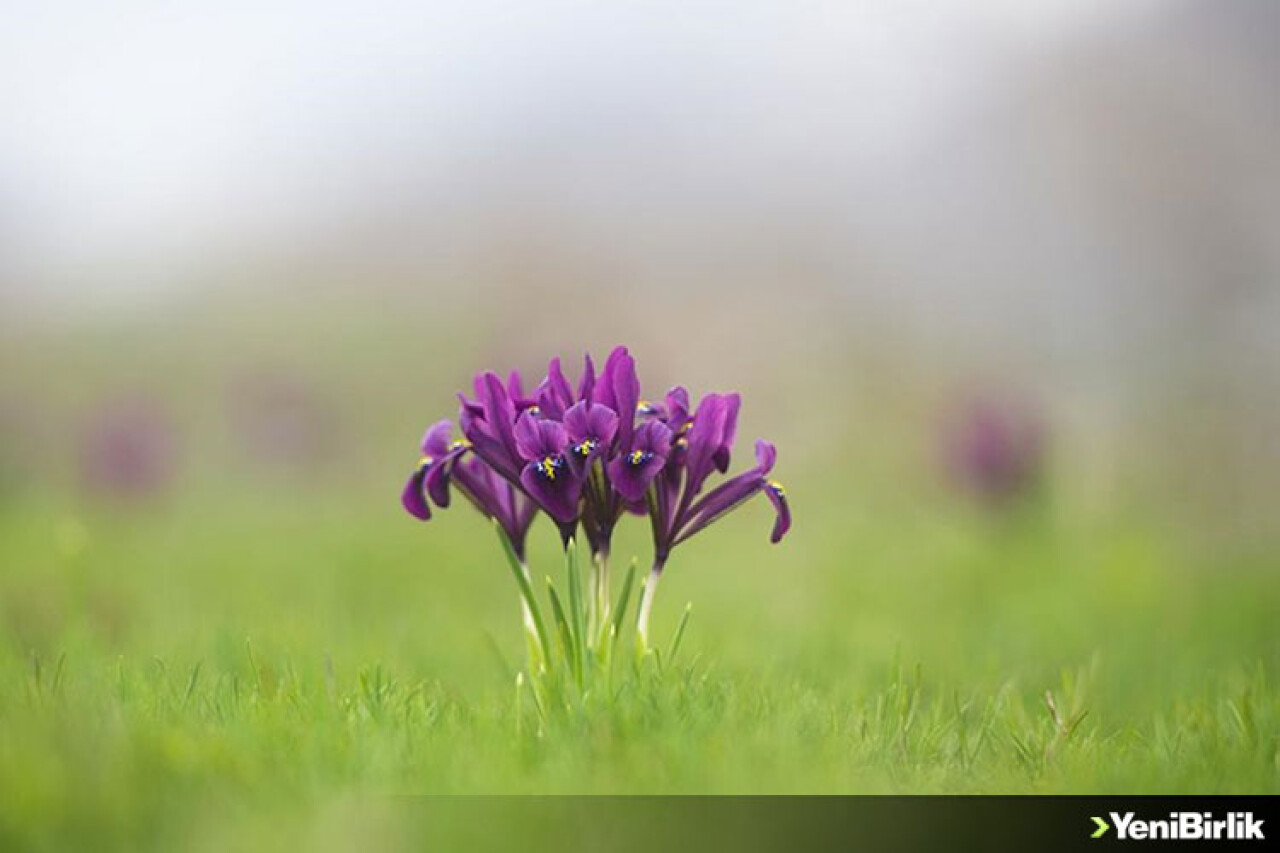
(600, 591)
(646, 605)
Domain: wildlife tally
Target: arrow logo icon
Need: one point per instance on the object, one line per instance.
(1102, 828)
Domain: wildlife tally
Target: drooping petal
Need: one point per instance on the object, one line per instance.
(441, 472)
(778, 497)
(730, 494)
(721, 500)
(553, 486)
(537, 437)
(413, 498)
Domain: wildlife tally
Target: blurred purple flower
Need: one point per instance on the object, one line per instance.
(127, 450)
(282, 421)
(994, 449)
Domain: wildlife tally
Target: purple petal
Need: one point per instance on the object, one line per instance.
(766, 456)
(631, 473)
(704, 439)
(550, 483)
(734, 492)
(583, 421)
(626, 395)
(677, 405)
(778, 497)
(554, 394)
(720, 501)
(515, 385)
(413, 498)
(587, 384)
(653, 436)
(499, 411)
(441, 472)
(537, 437)
(590, 429)
(435, 441)
(603, 389)
(730, 431)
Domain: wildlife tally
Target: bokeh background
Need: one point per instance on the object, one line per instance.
(999, 278)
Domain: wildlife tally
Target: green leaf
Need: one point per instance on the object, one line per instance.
(624, 598)
(526, 591)
(566, 631)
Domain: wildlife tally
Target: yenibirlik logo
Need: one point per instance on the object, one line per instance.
(1182, 826)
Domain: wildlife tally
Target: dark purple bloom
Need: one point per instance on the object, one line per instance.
(591, 429)
(586, 456)
(546, 475)
(431, 475)
(632, 471)
(445, 463)
(702, 446)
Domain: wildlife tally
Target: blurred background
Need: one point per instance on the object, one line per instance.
(271, 228)
(999, 278)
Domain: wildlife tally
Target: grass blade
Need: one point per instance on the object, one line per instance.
(679, 635)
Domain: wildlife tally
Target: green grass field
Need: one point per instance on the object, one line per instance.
(262, 658)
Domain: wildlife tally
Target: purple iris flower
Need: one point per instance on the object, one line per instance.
(702, 445)
(586, 456)
(445, 462)
(546, 475)
(591, 430)
(632, 471)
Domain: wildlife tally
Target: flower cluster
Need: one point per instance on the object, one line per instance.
(589, 454)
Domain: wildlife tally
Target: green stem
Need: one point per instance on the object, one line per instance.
(533, 623)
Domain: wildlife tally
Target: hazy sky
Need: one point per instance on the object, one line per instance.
(143, 135)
